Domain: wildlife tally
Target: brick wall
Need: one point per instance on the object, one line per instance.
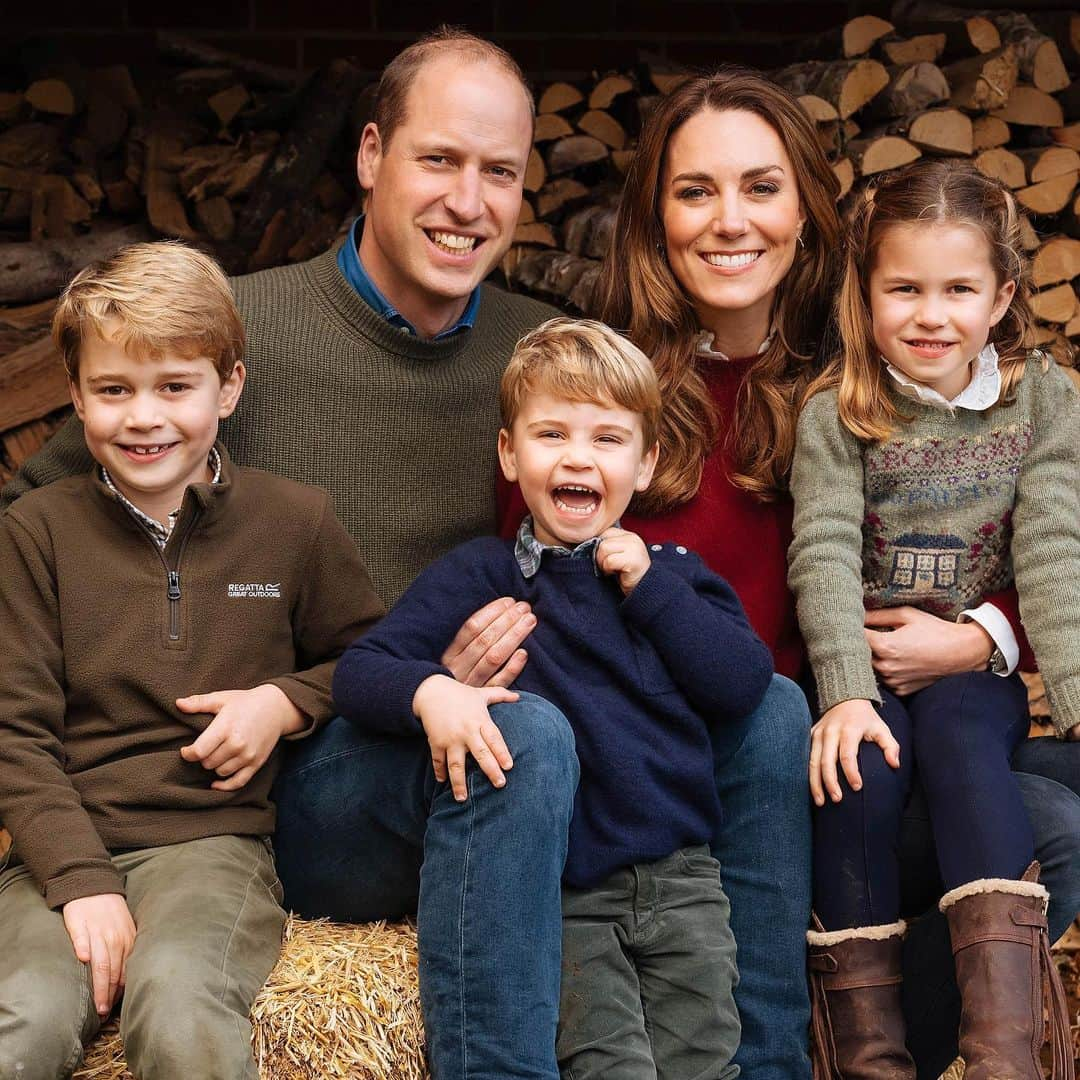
(550, 38)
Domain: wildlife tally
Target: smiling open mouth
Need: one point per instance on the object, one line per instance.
(453, 243)
(731, 262)
(930, 346)
(576, 499)
(148, 451)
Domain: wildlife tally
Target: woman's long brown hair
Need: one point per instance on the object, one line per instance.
(638, 294)
(934, 192)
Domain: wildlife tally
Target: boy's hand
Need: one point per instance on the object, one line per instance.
(246, 727)
(456, 720)
(625, 554)
(837, 735)
(102, 932)
(487, 651)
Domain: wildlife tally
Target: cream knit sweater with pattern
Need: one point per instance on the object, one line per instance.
(952, 506)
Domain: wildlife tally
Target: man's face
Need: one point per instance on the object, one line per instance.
(445, 192)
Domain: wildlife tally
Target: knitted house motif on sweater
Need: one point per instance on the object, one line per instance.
(938, 523)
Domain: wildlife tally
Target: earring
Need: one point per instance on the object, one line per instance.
(802, 242)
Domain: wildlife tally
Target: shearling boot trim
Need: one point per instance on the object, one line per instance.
(826, 938)
(995, 885)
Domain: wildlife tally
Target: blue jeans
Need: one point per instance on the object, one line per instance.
(763, 847)
(364, 833)
(353, 833)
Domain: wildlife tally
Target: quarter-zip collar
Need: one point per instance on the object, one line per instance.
(210, 497)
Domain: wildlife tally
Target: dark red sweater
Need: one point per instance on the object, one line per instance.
(740, 538)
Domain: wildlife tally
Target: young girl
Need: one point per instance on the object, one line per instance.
(938, 463)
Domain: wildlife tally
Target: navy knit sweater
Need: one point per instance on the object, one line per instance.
(636, 678)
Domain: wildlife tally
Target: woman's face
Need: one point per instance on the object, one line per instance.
(731, 214)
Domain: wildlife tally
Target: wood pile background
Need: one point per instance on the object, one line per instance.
(238, 158)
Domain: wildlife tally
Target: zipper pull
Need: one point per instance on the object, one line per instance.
(174, 584)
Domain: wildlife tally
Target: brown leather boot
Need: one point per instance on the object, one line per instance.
(857, 1028)
(1007, 979)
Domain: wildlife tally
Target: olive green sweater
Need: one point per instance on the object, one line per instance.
(950, 507)
(103, 631)
(399, 430)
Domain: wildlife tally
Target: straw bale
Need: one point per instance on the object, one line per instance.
(343, 1001)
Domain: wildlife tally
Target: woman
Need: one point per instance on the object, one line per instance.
(721, 269)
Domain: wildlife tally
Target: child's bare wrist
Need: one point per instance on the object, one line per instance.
(427, 690)
(290, 718)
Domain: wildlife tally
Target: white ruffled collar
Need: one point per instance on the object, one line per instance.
(980, 394)
(704, 346)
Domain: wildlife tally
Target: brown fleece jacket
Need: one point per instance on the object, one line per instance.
(259, 583)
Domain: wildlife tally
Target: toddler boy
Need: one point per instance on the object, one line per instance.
(134, 781)
(635, 646)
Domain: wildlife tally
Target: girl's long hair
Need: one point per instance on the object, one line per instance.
(638, 293)
(937, 192)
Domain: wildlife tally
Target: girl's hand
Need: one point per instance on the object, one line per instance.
(921, 648)
(837, 735)
(623, 553)
(456, 720)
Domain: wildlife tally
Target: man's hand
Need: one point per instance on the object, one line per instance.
(102, 932)
(625, 554)
(836, 736)
(486, 650)
(246, 727)
(1073, 734)
(922, 648)
(456, 720)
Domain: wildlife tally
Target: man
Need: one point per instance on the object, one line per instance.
(375, 375)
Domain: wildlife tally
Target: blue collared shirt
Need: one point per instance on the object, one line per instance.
(350, 265)
(529, 551)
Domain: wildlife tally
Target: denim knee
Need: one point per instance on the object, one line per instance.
(1054, 811)
(541, 743)
(775, 737)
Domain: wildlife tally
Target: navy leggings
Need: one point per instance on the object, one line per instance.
(956, 738)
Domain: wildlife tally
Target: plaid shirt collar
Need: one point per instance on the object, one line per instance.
(528, 550)
(157, 530)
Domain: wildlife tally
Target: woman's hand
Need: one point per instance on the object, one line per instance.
(837, 736)
(487, 651)
(912, 648)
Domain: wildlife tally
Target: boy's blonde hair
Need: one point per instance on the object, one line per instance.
(164, 296)
(581, 360)
(938, 192)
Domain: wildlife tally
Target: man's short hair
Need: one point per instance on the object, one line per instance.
(399, 75)
(581, 360)
(157, 298)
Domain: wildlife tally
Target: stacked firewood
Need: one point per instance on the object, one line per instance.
(238, 158)
(997, 88)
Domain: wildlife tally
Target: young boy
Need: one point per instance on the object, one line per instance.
(135, 787)
(636, 646)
